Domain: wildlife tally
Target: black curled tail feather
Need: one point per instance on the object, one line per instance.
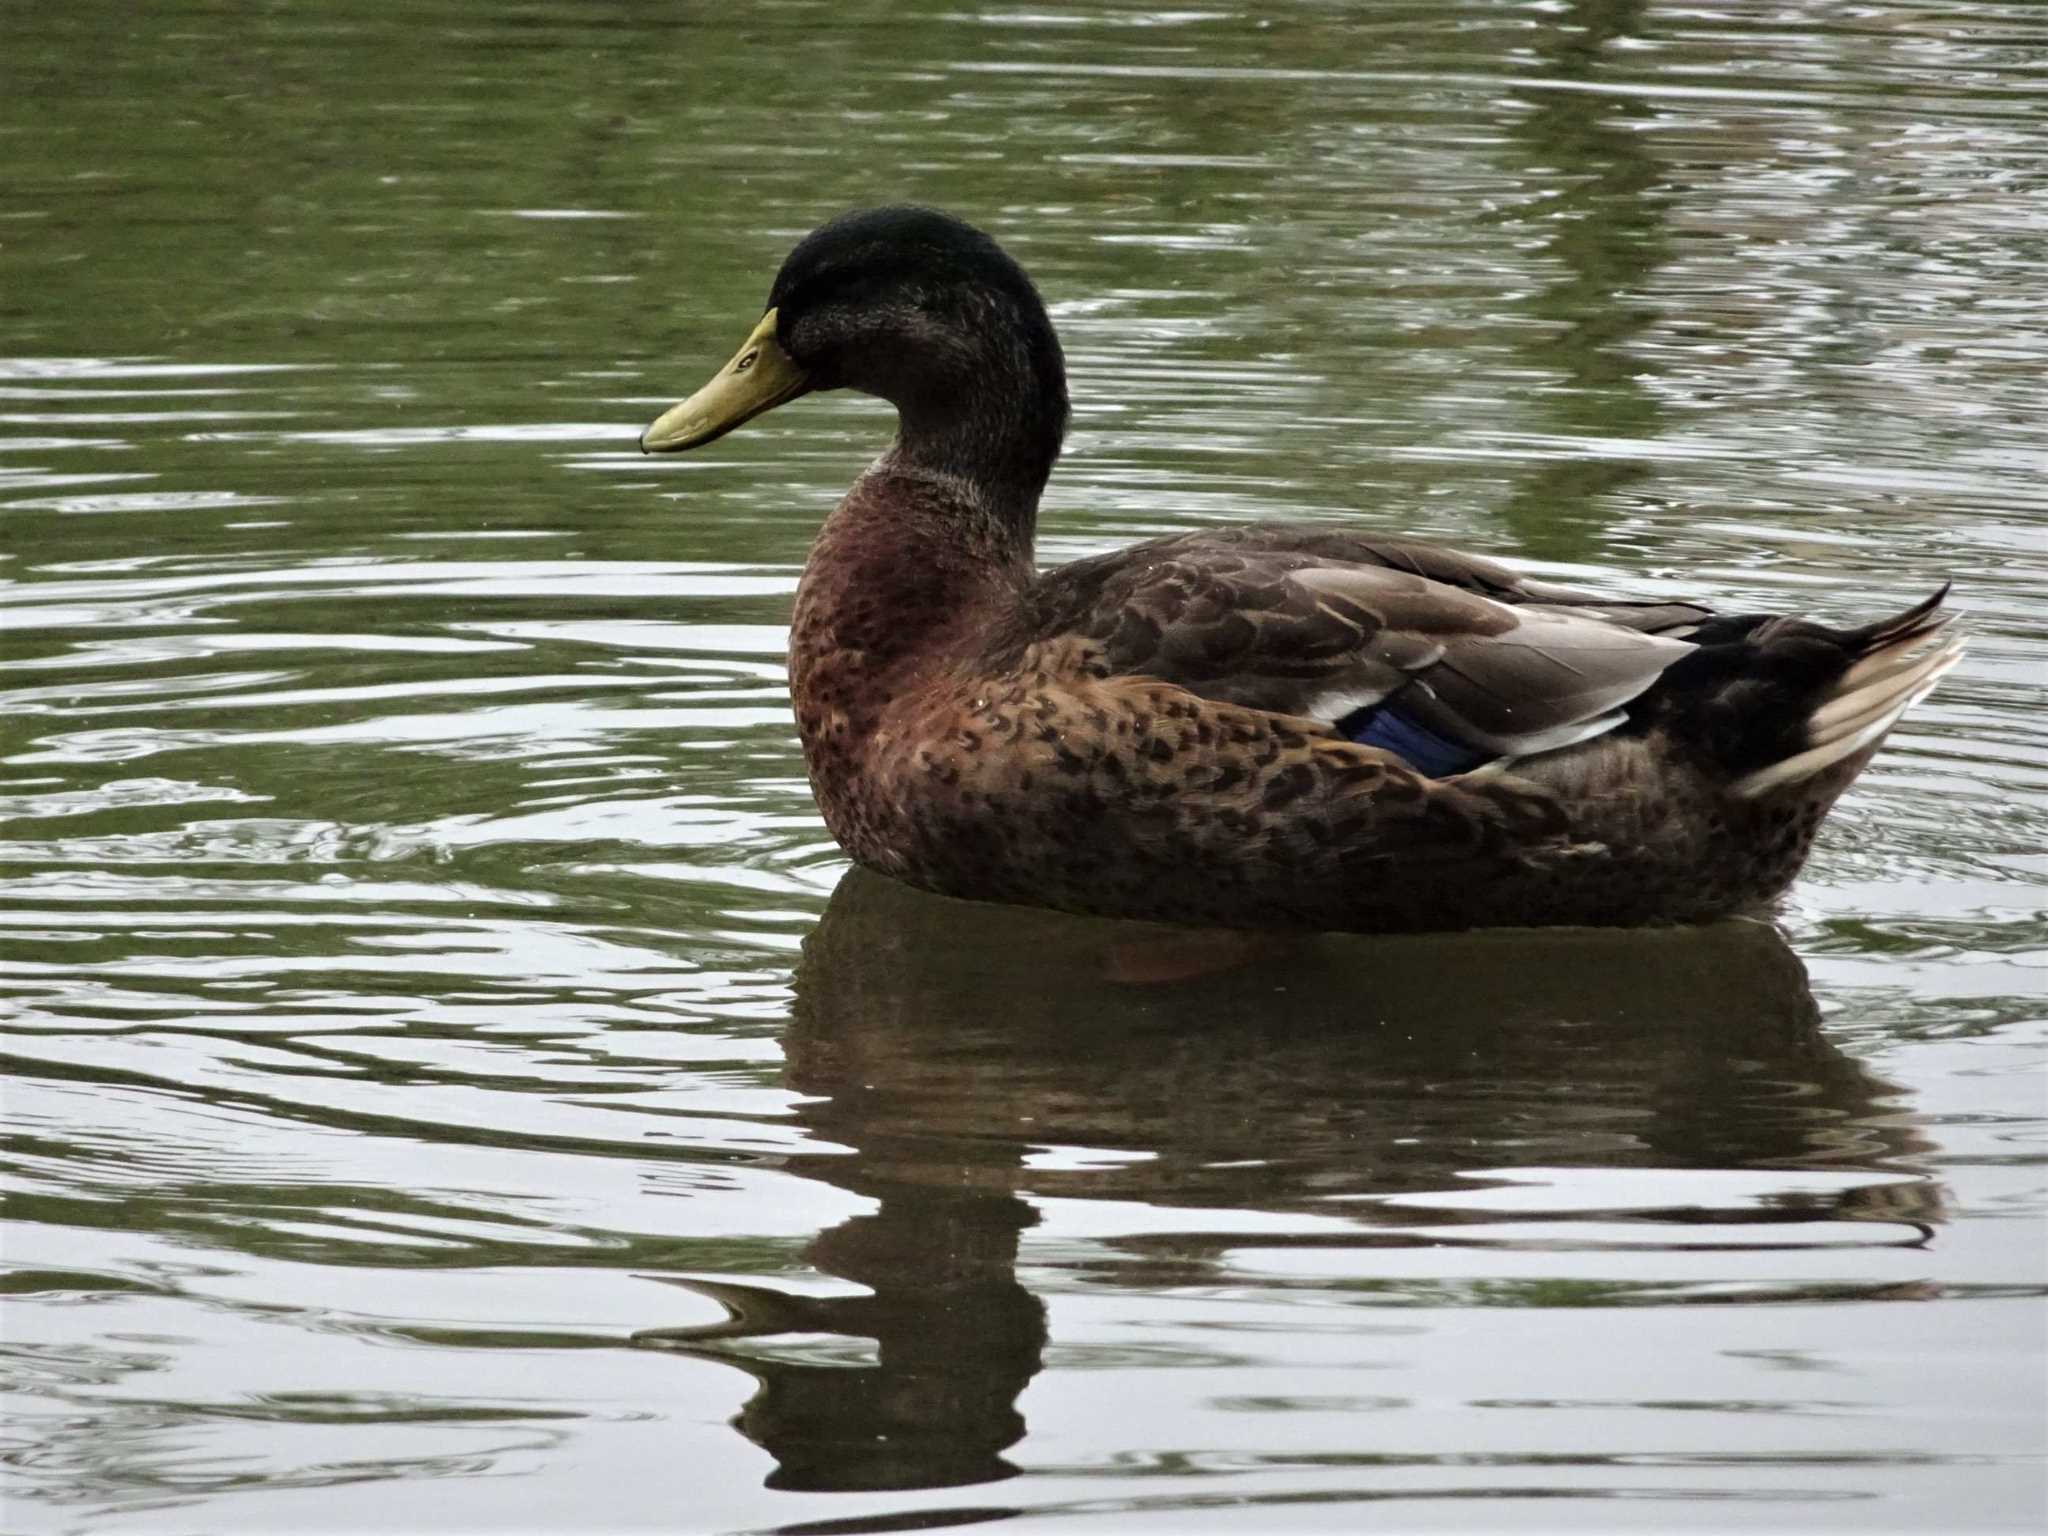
(1923, 618)
(1773, 701)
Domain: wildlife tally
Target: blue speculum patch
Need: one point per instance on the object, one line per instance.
(1385, 727)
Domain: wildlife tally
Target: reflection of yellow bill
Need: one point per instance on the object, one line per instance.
(760, 377)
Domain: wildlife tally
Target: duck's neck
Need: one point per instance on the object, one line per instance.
(995, 438)
(906, 570)
(984, 408)
(933, 545)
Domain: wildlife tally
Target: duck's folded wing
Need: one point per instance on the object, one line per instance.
(1438, 672)
(1510, 681)
(1452, 567)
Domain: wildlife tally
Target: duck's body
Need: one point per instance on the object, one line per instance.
(1258, 726)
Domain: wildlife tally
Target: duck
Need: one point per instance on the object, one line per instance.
(1270, 725)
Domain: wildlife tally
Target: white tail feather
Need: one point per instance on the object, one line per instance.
(1891, 659)
(1846, 713)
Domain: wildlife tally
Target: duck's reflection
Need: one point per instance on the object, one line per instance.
(948, 1044)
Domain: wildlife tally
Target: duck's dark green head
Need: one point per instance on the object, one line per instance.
(909, 304)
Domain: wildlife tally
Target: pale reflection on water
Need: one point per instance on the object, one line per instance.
(448, 1075)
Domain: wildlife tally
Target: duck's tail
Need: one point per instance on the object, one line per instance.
(1778, 701)
(1890, 666)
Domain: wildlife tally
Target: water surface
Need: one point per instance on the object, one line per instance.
(452, 1077)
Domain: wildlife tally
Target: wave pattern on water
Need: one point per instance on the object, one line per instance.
(444, 1045)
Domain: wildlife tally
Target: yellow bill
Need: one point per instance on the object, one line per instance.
(760, 377)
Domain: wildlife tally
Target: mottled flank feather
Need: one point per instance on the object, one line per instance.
(1263, 726)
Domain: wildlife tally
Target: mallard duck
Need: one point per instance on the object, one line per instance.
(1257, 726)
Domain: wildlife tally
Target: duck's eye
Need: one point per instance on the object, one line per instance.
(746, 361)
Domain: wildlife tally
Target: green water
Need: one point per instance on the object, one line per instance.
(450, 1083)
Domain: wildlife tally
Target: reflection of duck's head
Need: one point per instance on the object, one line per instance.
(1317, 1064)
